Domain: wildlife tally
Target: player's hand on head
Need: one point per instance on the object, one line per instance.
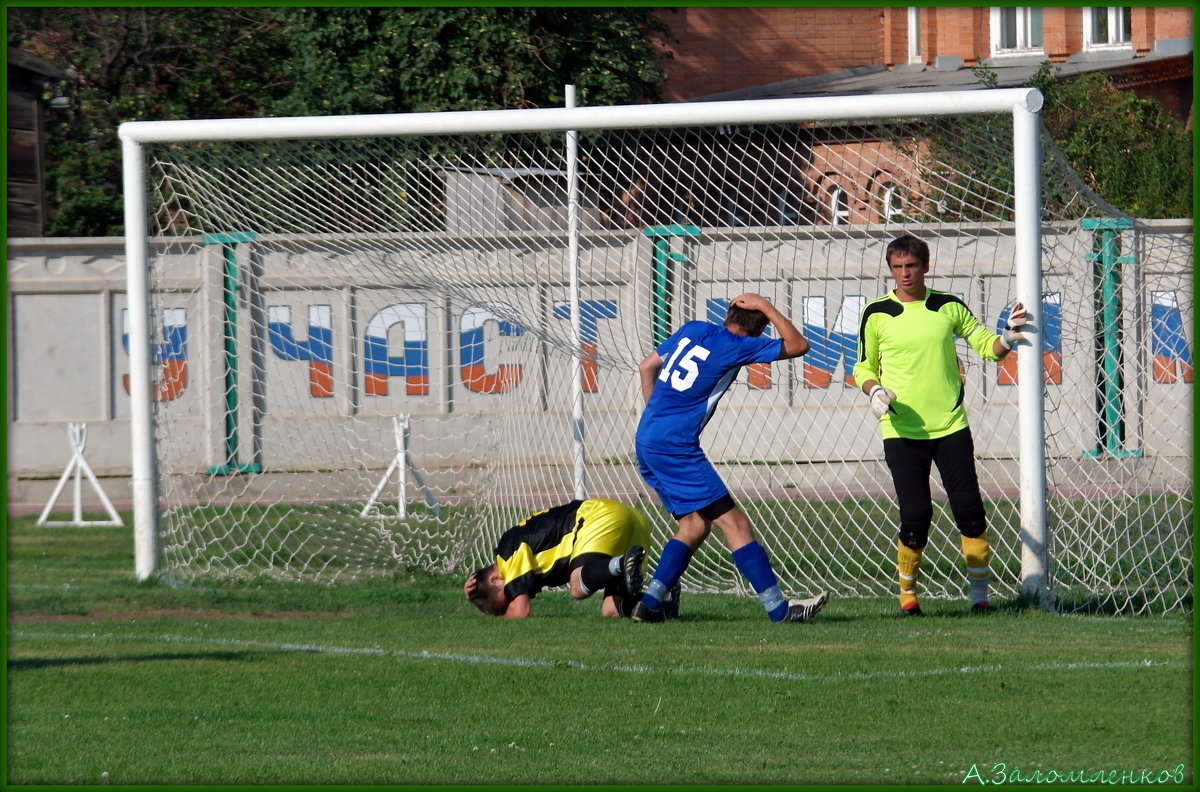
(750, 301)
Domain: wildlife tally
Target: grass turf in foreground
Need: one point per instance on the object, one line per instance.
(402, 682)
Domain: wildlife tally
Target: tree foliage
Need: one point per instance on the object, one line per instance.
(387, 60)
(141, 63)
(1127, 149)
(130, 64)
(134, 63)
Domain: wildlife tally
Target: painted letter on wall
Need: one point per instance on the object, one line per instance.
(473, 356)
(317, 350)
(1168, 344)
(413, 364)
(831, 347)
(590, 312)
(170, 355)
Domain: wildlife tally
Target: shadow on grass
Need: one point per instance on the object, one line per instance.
(34, 663)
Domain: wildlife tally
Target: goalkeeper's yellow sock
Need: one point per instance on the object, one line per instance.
(977, 552)
(908, 563)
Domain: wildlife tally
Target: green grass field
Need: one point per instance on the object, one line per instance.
(400, 681)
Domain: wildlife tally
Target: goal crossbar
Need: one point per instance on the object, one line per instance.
(564, 119)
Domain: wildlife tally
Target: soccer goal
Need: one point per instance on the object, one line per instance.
(296, 285)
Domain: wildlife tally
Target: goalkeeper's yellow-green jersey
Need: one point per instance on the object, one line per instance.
(908, 347)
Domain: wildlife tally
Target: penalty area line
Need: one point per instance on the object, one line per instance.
(525, 662)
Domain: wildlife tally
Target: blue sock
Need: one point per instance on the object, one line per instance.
(752, 562)
(671, 564)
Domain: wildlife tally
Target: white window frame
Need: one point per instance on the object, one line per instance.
(1119, 34)
(890, 204)
(1024, 33)
(838, 206)
(915, 53)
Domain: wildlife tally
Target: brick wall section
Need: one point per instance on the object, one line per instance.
(953, 38)
(895, 36)
(1062, 33)
(727, 49)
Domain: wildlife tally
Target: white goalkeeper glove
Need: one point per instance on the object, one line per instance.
(1017, 318)
(881, 400)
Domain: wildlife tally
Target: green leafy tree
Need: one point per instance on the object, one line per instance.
(1127, 149)
(388, 60)
(131, 64)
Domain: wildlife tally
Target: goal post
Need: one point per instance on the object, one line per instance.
(1027, 211)
(498, 274)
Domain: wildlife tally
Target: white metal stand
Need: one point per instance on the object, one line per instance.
(78, 436)
(402, 464)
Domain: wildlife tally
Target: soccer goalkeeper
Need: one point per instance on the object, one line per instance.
(908, 367)
(591, 545)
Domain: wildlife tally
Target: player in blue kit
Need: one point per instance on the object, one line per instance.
(682, 381)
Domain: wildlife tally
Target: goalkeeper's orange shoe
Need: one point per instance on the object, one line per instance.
(910, 609)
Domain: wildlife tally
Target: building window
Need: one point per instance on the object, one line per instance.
(890, 205)
(915, 53)
(787, 207)
(839, 206)
(1107, 27)
(1016, 30)
(733, 214)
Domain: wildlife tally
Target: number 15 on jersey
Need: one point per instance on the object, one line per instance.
(682, 368)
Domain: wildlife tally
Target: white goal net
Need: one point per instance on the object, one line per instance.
(372, 352)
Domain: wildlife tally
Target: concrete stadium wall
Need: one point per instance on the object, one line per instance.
(67, 361)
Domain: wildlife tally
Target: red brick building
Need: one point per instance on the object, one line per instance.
(804, 51)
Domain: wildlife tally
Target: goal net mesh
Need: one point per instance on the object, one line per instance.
(364, 349)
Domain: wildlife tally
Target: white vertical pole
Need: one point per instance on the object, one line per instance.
(400, 426)
(577, 421)
(1027, 192)
(78, 435)
(141, 418)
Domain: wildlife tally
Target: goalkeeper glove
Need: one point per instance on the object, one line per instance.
(881, 400)
(1017, 318)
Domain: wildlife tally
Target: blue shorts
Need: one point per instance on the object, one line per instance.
(682, 476)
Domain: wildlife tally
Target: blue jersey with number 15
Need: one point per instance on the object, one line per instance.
(700, 361)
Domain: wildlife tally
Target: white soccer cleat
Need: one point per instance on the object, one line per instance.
(803, 610)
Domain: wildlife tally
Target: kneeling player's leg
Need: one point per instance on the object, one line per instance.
(594, 574)
(610, 545)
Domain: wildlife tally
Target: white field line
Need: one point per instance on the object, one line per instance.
(520, 662)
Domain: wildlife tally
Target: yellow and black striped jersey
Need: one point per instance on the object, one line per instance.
(542, 549)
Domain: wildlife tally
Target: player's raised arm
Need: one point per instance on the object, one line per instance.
(794, 343)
